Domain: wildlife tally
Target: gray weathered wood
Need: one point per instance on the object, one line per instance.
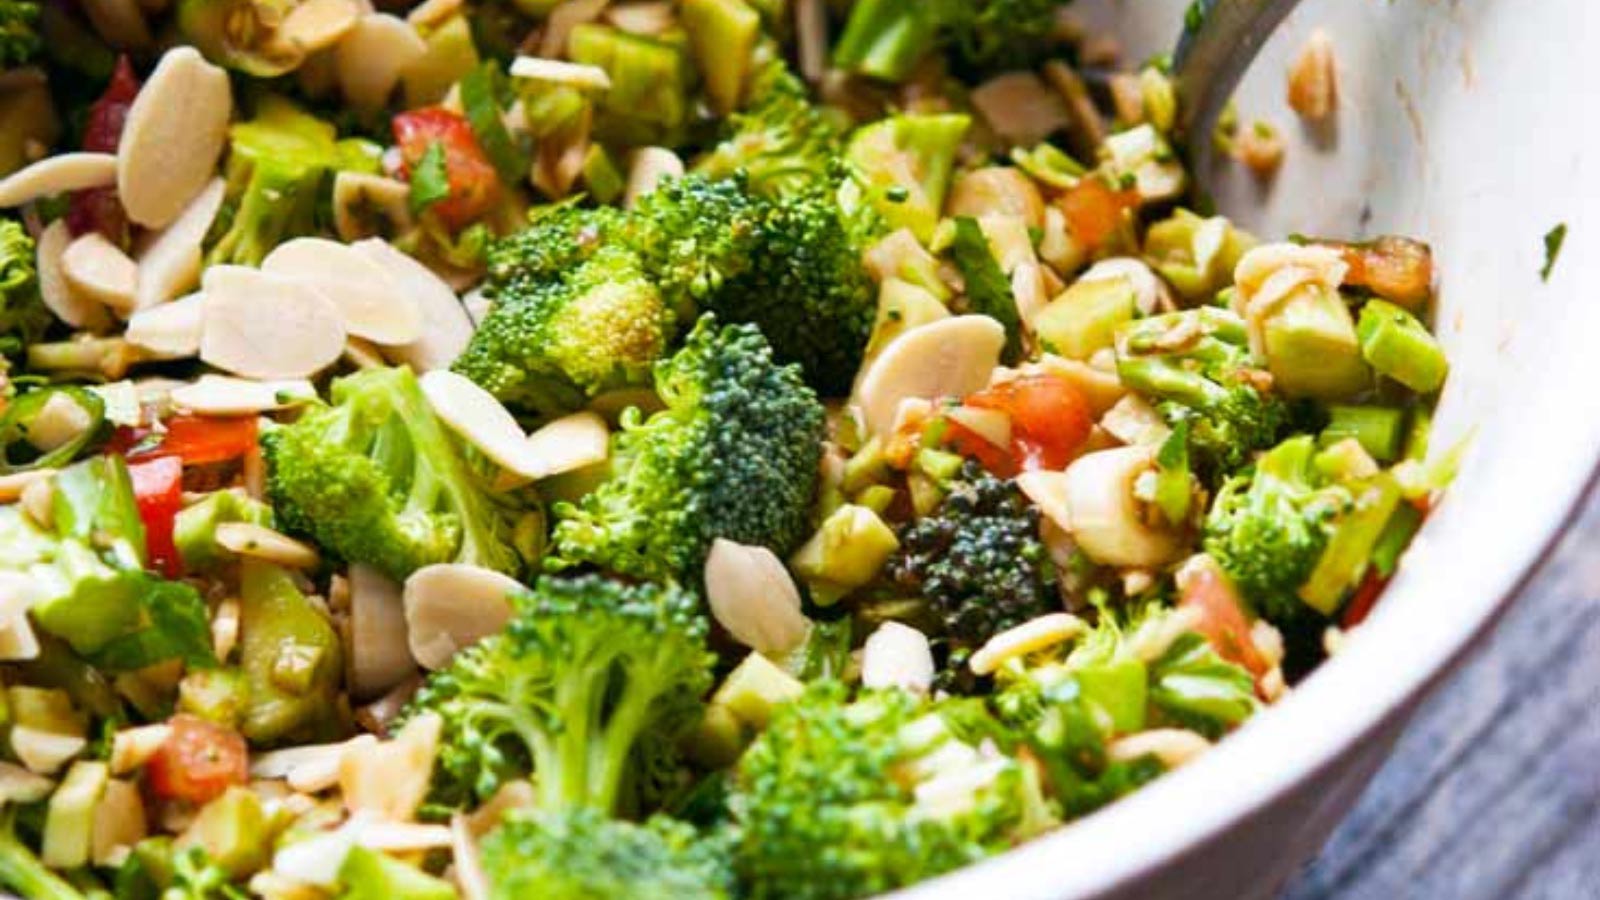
(1494, 792)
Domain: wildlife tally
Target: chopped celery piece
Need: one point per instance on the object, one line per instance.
(1311, 346)
(905, 162)
(370, 875)
(723, 34)
(1049, 164)
(886, 38)
(1350, 550)
(1396, 537)
(605, 182)
(194, 530)
(233, 831)
(1174, 494)
(1084, 319)
(648, 101)
(755, 688)
(1120, 689)
(866, 468)
(847, 551)
(1381, 430)
(1398, 345)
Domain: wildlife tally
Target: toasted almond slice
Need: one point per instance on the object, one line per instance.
(753, 596)
(469, 874)
(555, 71)
(379, 655)
(646, 170)
(446, 329)
(452, 606)
(1029, 637)
(169, 264)
(1107, 520)
(98, 269)
(949, 358)
(371, 57)
(221, 395)
(262, 326)
(275, 764)
(260, 542)
(68, 305)
(119, 22)
(475, 415)
(403, 837)
(431, 12)
(133, 747)
(1048, 491)
(1172, 746)
(169, 330)
(373, 306)
(173, 138)
(18, 593)
(569, 443)
(58, 174)
(317, 24)
(365, 205)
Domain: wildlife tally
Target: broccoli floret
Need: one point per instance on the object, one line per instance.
(23, 315)
(582, 854)
(587, 671)
(840, 800)
(697, 236)
(735, 454)
(376, 478)
(19, 32)
(887, 39)
(279, 171)
(549, 347)
(781, 140)
(1269, 527)
(1197, 367)
(977, 562)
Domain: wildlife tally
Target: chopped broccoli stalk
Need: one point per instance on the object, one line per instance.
(887, 39)
(847, 551)
(291, 658)
(280, 167)
(195, 527)
(19, 33)
(1380, 430)
(1311, 346)
(582, 854)
(1396, 537)
(723, 34)
(988, 290)
(1193, 687)
(734, 454)
(755, 689)
(1196, 255)
(589, 675)
(232, 832)
(69, 820)
(1352, 544)
(1175, 485)
(845, 799)
(648, 101)
(1197, 366)
(370, 875)
(22, 871)
(376, 478)
(780, 140)
(23, 316)
(1085, 318)
(1120, 689)
(1399, 346)
(905, 163)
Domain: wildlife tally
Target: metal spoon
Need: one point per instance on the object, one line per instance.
(1220, 40)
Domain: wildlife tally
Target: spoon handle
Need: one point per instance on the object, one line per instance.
(1220, 40)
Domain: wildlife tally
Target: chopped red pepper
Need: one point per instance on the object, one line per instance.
(1096, 213)
(1050, 419)
(98, 209)
(198, 761)
(473, 181)
(1363, 600)
(158, 488)
(1222, 620)
(973, 445)
(197, 440)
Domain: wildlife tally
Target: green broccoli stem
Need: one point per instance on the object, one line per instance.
(22, 871)
(1162, 377)
(886, 38)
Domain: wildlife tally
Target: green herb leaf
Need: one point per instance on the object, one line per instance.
(1553, 241)
(430, 179)
(988, 288)
(480, 93)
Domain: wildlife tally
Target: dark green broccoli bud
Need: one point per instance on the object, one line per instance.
(551, 347)
(588, 675)
(1269, 527)
(839, 800)
(887, 38)
(977, 561)
(1197, 366)
(582, 854)
(19, 32)
(735, 454)
(697, 236)
(376, 478)
(558, 240)
(23, 315)
(781, 140)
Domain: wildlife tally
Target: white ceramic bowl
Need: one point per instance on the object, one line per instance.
(1466, 123)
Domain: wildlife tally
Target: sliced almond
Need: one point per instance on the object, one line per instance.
(373, 306)
(452, 606)
(389, 780)
(310, 759)
(365, 205)
(1172, 746)
(379, 657)
(18, 593)
(59, 174)
(98, 269)
(446, 330)
(173, 138)
(371, 57)
(263, 326)
(221, 395)
(475, 415)
(948, 358)
(1107, 520)
(1030, 637)
(261, 542)
(18, 785)
(170, 263)
(168, 330)
(568, 444)
(1048, 491)
(317, 25)
(647, 168)
(897, 656)
(565, 17)
(429, 13)
(556, 71)
(59, 296)
(752, 595)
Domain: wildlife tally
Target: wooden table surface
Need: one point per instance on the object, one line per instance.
(1494, 792)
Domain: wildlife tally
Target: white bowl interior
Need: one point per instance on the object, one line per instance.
(1462, 123)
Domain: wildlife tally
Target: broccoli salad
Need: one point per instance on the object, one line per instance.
(671, 449)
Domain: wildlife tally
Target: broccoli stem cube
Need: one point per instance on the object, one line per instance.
(1350, 549)
(1380, 429)
(1398, 345)
(1084, 319)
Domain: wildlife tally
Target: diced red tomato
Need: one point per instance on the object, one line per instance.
(158, 487)
(98, 209)
(1222, 622)
(197, 440)
(1363, 600)
(473, 181)
(1095, 212)
(1050, 419)
(198, 761)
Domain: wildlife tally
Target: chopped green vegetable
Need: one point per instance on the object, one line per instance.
(988, 290)
(1554, 239)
